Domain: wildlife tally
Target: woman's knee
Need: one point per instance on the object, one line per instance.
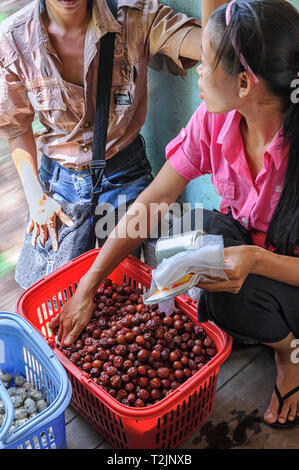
(254, 312)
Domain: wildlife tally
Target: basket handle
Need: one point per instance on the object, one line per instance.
(9, 413)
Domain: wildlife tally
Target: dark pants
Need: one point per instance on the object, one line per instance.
(264, 311)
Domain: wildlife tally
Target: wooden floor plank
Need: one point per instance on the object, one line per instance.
(70, 414)
(240, 357)
(237, 418)
(80, 435)
(9, 293)
(105, 445)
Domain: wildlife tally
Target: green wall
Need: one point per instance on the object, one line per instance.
(172, 101)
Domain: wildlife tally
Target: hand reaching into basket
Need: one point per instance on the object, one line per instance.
(74, 315)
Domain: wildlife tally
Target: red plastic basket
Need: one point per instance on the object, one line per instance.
(161, 426)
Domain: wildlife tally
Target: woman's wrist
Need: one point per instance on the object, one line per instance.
(36, 197)
(256, 254)
(90, 283)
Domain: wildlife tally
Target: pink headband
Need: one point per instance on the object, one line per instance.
(242, 59)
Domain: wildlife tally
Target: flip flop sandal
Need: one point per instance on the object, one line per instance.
(288, 423)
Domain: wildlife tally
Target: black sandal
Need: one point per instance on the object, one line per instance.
(288, 423)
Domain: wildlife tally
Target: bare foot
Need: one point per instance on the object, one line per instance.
(287, 379)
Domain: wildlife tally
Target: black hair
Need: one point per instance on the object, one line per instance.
(266, 32)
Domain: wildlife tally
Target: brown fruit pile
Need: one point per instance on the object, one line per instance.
(136, 353)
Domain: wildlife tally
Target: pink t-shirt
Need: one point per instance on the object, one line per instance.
(213, 144)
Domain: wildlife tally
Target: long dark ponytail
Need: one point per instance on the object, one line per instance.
(284, 227)
(266, 33)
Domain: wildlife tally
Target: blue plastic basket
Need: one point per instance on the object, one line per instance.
(24, 351)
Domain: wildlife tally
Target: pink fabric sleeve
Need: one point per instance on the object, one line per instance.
(189, 152)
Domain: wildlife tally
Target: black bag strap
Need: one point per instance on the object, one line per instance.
(105, 70)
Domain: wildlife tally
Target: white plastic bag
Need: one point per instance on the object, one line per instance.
(181, 272)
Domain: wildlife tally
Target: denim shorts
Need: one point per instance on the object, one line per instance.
(126, 175)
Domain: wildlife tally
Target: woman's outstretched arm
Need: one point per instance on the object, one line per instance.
(140, 219)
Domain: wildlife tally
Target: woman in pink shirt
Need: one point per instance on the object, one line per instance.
(245, 135)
